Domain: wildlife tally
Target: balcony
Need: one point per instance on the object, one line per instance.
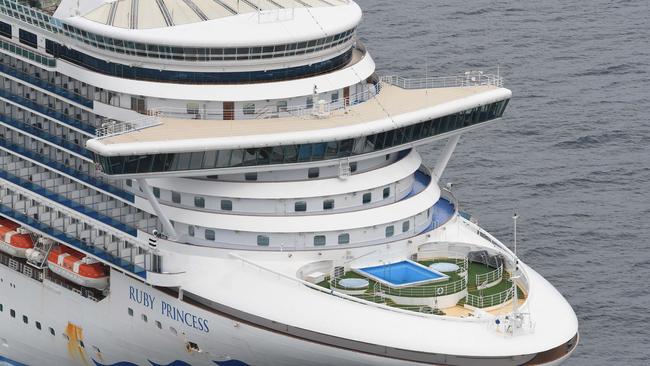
(27, 103)
(65, 93)
(84, 177)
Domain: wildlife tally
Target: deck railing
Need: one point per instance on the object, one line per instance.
(431, 290)
(490, 277)
(490, 300)
(113, 128)
(470, 78)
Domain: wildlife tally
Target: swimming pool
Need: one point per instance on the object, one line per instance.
(402, 274)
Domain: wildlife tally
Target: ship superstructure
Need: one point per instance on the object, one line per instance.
(200, 182)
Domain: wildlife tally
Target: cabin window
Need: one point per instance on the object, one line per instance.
(199, 202)
(386, 192)
(25, 319)
(130, 311)
(52, 332)
(145, 318)
(310, 102)
(176, 197)
(210, 235)
(251, 177)
(406, 226)
(156, 192)
(354, 166)
(226, 205)
(328, 205)
(367, 198)
(12, 312)
(390, 231)
(344, 239)
(129, 183)
(158, 324)
(38, 325)
(5, 30)
(300, 206)
(263, 241)
(320, 240)
(190, 230)
(27, 38)
(313, 173)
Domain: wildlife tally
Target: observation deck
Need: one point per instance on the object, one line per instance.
(397, 112)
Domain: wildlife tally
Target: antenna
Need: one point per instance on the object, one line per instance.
(514, 218)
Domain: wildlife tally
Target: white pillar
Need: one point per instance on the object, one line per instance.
(167, 225)
(445, 156)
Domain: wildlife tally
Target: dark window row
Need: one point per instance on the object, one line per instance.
(44, 21)
(291, 154)
(140, 73)
(206, 54)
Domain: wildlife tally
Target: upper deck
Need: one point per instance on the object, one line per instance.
(391, 101)
(396, 117)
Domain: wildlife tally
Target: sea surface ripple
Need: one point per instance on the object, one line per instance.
(572, 155)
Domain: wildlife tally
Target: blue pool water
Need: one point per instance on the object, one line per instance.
(402, 274)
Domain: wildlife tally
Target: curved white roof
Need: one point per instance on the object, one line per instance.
(214, 23)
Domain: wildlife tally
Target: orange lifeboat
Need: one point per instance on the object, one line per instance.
(77, 267)
(13, 240)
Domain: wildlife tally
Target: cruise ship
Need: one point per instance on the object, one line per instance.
(230, 182)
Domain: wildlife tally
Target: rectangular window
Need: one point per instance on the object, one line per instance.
(328, 205)
(156, 192)
(320, 240)
(38, 326)
(251, 177)
(210, 235)
(353, 167)
(406, 226)
(129, 183)
(199, 202)
(344, 239)
(226, 205)
(390, 231)
(367, 198)
(28, 38)
(313, 173)
(5, 30)
(386, 192)
(263, 241)
(300, 206)
(176, 197)
(190, 230)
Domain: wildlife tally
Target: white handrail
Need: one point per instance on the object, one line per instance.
(470, 78)
(113, 128)
(490, 300)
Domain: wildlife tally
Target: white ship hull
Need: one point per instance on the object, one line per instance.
(140, 325)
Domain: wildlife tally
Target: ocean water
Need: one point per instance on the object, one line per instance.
(572, 155)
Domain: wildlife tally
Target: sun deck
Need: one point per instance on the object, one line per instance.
(144, 14)
(390, 102)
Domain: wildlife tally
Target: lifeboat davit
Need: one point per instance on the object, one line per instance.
(13, 240)
(77, 267)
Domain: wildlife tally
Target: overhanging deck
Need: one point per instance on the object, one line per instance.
(393, 107)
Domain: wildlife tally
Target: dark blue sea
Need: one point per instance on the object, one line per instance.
(572, 157)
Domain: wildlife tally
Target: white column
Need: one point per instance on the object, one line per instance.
(167, 225)
(445, 156)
